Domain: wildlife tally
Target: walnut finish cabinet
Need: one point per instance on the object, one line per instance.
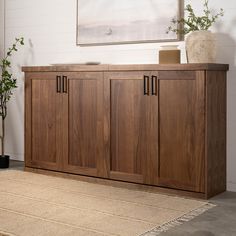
(156, 125)
(58, 141)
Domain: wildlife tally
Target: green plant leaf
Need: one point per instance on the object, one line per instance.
(192, 22)
(7, 82)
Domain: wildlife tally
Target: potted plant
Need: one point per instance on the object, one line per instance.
(7, 84)
(200, 42)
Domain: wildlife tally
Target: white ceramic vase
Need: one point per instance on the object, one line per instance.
(201, 47)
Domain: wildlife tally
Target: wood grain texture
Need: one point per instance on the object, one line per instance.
(180, 74)
(215, 132)
(44, 125)
(62, 131)
(180, 122)
(105, 126)
(28, 120)
(135, 178)
(200, 119)
(151, 163)
(82, 130)
(66, 68)
(107, 121)
(136, 67)
(128, 122)
(128, 125)
(43, 147)
(85, 123)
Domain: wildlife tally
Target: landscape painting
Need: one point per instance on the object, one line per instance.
(125, 21)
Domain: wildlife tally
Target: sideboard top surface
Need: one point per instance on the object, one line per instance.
(134, 67)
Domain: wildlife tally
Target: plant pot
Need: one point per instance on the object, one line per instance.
(4, 161)
(201, 47)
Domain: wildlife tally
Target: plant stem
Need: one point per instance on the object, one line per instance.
(2, 138)
(7, 84)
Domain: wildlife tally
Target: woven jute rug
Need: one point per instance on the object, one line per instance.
(36, 204)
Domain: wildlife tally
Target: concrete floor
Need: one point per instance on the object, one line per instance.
(16, 165)
(218, 221)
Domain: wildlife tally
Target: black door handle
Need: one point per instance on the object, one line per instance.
(58, 84)
(146, 84)
(64, 84)
(154, 85)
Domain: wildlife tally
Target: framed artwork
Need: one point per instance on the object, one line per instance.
(102, 22)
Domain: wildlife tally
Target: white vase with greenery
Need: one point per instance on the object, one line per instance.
(200, 42)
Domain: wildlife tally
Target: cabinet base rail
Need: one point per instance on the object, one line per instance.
(119, 184)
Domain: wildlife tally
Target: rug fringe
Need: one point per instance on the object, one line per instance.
(179, 221)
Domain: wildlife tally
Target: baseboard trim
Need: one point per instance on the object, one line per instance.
(231, 186)
(16, 157)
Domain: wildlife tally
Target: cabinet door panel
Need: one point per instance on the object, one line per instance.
(44, 123)
(82, 123)
(85, 127)
(127, 114)
(129, 109)
(181, 150)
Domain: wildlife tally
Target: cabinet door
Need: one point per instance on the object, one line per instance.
(181, 130)
(42, 125)
(85, 124)
(126, 125)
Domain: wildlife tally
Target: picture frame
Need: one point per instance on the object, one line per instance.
(107, 22)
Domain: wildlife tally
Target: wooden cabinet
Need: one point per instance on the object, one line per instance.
(128, 114)
(43, 142)
(84, 124)
(58, 141)
(159, 125)
(181, 130)
(156, 136)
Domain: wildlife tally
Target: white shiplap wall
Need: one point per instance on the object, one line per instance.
(1, 28)
(49, 28)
